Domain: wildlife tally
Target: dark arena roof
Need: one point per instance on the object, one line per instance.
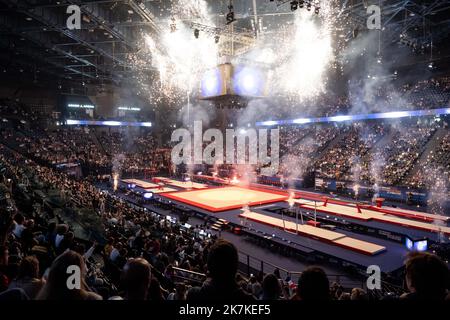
(224, 151)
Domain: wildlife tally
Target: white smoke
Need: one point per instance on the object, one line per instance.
(372, 85)
(196, 112)
(437, 182)
(256, 109)
(117, 163)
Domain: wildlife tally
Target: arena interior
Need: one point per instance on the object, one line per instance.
(200, 150)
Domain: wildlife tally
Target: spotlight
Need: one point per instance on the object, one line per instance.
(301, 4)
(308, 6)
(173, 26)
(230, 18)
(196, 33)
(317, 9)
(294, 5)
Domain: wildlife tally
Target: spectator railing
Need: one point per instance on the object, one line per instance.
(187, 275)
(249, 265)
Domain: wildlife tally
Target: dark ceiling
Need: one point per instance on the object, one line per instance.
(35, 41)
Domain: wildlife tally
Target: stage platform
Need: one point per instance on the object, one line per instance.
(331, 237)
(353, 248)
(365, 213)
(389, 260)
(140, 183)
(162, 190)
(417, 215)
(227, 198)
(181, 184)
(148, 186)
(403, 213)
(311, 247)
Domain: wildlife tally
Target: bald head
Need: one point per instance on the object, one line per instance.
(136, 276)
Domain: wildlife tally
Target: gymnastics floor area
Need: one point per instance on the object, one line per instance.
(227, 198)
(246, 207)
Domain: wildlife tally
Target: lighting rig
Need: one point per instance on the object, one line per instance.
(300, 4)
(173, 25)
(240, 37)
(230, 18)
(209, 30)
(230, 15)
(421, 46)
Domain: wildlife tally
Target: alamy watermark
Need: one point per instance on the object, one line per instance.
(373, 282)
(374, 19)
(73, 22)
(74, 279)
(242, 146)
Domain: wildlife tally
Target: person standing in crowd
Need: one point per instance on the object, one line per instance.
(222, 268)
(271, 288)
(56, 287)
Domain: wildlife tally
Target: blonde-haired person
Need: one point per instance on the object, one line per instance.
(56, 287)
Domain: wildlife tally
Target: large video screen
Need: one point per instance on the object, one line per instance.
(227, 79)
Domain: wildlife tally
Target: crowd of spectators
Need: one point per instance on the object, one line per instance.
(350, 152)
(357, 140)
(405, 149)
(97, 151)
(381, 152)
(426, 94)
(144, 253)
(436, 162)
(298, 150)
(354, 154)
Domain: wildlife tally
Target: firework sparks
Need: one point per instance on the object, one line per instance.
(291, 200)
(234, 180)
(309, 54)
(115, 181)
(299, 52)
(179, 58)
(438, 186)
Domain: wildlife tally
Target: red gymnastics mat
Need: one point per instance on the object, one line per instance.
(227, 198)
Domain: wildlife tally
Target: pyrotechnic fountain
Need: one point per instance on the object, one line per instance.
(356, 190)
(245, 209)
(291, 199)
(291, 202)
(298, 55)
(234, 180)
(438, 184)
(298, 69)
(115, 181)
(116, 169)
